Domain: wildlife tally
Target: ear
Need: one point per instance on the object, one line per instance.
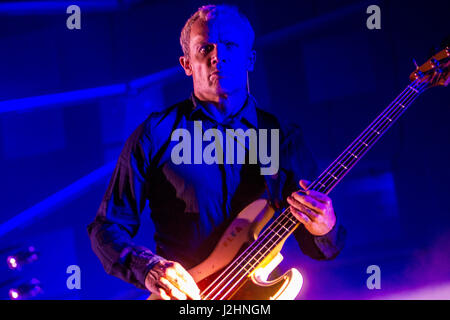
(184, 61)
(251, 60)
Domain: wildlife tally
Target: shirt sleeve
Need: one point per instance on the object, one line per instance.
(118, 217)
(297, 162)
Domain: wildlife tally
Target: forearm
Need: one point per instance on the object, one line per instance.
(119, 256)
(324, 247)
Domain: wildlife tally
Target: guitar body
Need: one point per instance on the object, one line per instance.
(243, 230)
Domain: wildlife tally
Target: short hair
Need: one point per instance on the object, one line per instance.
(207, 13)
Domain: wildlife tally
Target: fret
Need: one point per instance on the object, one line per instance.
(413, 89)
(284, 227)
(252, 266)
(364, 143)
(372, 138)
(261, 249)
(332, 175)
(258, 253)
(242, 263)
(377, 132)
(401, 105)
(397, 111)
(321, 184)
(254, 261)
(275, 233)
(355, 156)
(281, 227)
(343, 166)
(292, 220)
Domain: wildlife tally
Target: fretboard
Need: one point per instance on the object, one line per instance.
(286, 223)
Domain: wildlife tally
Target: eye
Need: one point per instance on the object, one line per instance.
(230, 44)
(205, 49)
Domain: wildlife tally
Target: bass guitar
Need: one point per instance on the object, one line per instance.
(248, 251)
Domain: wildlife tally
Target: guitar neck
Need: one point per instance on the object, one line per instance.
(358, 148)
(286, 223)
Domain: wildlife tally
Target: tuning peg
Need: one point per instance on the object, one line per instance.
(417, 74)
(434, 63)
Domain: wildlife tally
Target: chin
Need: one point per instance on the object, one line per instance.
(220, 91)
(223, 89)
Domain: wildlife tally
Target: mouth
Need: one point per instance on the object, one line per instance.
(217, 74)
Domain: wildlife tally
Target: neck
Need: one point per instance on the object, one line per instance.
(223, 106)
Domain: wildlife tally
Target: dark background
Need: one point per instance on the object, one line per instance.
(318, 65)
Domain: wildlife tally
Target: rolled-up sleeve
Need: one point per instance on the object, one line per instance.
(298, 163)
(118, 217)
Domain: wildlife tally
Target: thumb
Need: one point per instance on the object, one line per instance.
(304, 184)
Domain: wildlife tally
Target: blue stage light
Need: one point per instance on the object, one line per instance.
(19, 259)
(26, 290)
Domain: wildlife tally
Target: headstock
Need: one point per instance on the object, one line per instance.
(434, 72)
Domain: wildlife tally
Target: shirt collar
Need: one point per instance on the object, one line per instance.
(247, 111)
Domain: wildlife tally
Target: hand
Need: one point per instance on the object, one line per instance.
(312, 208)
(169, 280)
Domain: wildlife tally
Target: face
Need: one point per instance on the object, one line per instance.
(219, 58)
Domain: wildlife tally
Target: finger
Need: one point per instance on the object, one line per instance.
(310, 203)
(170, 288)
(303, 218)
(191, 287)
(311, 214)
(319, 196)
(183, 273)
(304, 184)
(180, 278)
(162, 294)
(161, 267)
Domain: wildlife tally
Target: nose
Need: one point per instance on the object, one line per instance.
(217, 55)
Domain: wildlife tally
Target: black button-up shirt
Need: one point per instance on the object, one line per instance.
(192, 204)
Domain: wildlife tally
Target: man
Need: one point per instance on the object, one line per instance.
(193, 203)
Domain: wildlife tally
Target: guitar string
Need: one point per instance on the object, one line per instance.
(252, 250)
(393, 104)
(246, 272)
(389, 124)
(263, 234)
(243, 268)
(381, 127)
(361, 149)
(259, 250)
(351, 149)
